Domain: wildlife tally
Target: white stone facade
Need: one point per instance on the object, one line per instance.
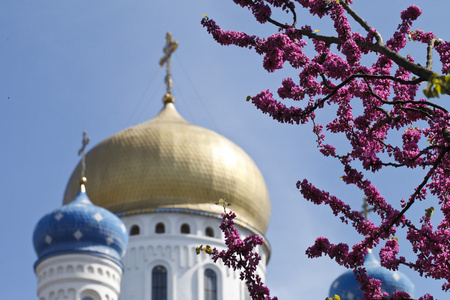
(78, 277)
(175, 251)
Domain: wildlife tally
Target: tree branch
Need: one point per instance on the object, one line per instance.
(378, 47)
(362, 22)
(421, 185)
(430, 52)
(423, 110)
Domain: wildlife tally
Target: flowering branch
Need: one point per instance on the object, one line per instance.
(387, 90)
(240, 255)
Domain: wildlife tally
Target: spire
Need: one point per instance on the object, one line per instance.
(171, 46)
(84, 143)
(366, 210)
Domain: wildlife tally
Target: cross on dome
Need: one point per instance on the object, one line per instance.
(366, 210)
(84, 143)
(171, 46)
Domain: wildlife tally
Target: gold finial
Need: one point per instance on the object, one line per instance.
(83, 181)
(84, 142)
(171, 46)
(366, 210)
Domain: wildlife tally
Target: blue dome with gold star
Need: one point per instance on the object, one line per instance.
(347, 288)
(80, 227)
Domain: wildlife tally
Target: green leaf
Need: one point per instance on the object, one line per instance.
(433, 76)
(438, 88)
(429, 212)
(435, 93)
(427, 92)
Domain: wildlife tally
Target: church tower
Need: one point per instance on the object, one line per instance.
(162, 178)
(79, 248)
(348, 288)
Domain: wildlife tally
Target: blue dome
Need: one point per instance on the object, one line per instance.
(80, 227)
(348, 288)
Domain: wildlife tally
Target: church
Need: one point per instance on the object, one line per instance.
(138, 205)
(130, 231)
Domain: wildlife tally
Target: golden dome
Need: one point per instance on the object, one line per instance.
(170, 163)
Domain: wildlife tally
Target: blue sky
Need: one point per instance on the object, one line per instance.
(70, 66)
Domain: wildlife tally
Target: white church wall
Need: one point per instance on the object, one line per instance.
(175, 251)
(74, 276)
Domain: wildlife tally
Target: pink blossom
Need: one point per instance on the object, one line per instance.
(373, 95)
(242, 256)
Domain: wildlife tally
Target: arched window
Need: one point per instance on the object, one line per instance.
(247, 293)
(89, 295)
(209, 232)
(210, 285)
(159, 283)
(135, 230)
(160, 228)
(185, 228)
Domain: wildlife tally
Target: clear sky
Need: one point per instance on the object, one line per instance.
(69, 66)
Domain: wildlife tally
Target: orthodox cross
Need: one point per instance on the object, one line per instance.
(171, 46)
(366, 210)
(84, 142)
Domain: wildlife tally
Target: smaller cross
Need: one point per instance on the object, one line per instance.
(171, 46)
(84, 142)
(366, 210)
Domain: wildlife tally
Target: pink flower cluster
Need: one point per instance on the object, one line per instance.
(444, 54)
(241, 255)
(388, 255)
(336, 77)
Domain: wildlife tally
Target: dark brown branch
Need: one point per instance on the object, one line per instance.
(401, 61)
(424, 110)
(422, 72)
(362, 22)
(417, 110)
(409, 264)
(423, 151)
(294, 14)
(399, 80)
(365, 76)
(438, 249)
(398, 59)
(276, 23)
(421, 185)
(385, 121)
(430, 52)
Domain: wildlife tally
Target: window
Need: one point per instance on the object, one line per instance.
(185, 228)
(209, 232)
(89, 295)
(210, 285)
(159, 283)
(135, 230)
(160, 228)
(247, 293)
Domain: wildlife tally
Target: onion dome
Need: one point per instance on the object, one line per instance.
(168, 164)
(348, 288)
(80, 227)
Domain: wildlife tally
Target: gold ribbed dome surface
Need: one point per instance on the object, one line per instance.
(170, 163)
